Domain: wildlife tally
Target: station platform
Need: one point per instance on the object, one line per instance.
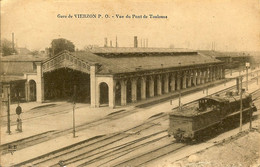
(84, 113)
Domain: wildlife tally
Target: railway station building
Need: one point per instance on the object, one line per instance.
(112, 77)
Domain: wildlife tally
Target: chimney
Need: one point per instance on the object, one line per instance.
(141, 42)
(147, 42)
(135, 42)
(111, 44)
(105, 44)
(116, 42)
(144, 43)
(13, 41)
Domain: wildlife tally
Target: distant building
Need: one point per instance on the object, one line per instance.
(231, 59)
(14, 70)
(23, 51)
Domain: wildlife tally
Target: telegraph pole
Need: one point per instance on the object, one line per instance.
(257, 77)
(241, 105)
(247, 66)
(179, 99)
(8, 115)
(74, 105)
(179, 87)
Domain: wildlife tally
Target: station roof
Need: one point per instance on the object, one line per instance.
(218, 54)
(26, 57)
(115, 60)
(98, 50)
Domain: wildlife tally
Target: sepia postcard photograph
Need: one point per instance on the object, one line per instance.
(113, 83)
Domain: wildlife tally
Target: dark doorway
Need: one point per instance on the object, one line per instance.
(129, 91)
(170, 83)
(163, 81)
(118, 93)
(59, 85)
(147, 85)
(103, 88)
(138, 89)
(155, 86)
(32, 87)
(181, 86)
(17, 91)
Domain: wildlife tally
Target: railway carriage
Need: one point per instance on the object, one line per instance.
(209, 114)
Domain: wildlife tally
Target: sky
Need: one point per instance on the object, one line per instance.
(232, 25)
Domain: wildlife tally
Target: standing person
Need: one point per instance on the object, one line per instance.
(19, 120)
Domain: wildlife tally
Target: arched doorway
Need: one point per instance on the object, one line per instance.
(118, 93)
(32, 92)
(59, 85)
(155, 86)
(129, 91)
(147, 83)
(103, 94)
(170, 83)
(138, 89)
(163, 86)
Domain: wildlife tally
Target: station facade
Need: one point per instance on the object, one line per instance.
(120, 76)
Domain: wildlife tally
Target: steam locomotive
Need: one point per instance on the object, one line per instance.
(205, 116)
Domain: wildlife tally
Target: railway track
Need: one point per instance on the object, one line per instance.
(26, 142)
(99, 146)
(145, 158)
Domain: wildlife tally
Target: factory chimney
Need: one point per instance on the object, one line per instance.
(13, 41)
(111, 44)
(105, 43)
(116, 42)
(135, 42)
